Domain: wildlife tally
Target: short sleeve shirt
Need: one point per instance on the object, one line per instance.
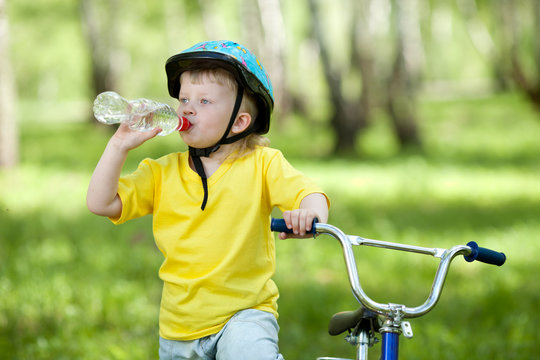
(220, 260)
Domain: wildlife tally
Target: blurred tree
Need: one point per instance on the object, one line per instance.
(174, 13)
(214, 24)
(9, 141)
(527, 78)
(250, 25)
(404, 80)
(362, 52)
(483, 42)
(274, 45)
(349, 115)
(100, 21)
(510, 43)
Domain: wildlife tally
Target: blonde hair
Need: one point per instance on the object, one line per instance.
(249, 105)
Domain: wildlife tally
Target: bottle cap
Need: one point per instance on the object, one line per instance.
(183, 124)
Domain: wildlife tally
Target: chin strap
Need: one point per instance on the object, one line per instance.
(196, 153)
(200, 170)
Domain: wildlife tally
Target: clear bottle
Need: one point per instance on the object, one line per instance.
(140, 114)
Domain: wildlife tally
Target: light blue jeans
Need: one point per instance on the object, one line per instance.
(249, 335)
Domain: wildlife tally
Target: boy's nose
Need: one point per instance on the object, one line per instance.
(185, 109)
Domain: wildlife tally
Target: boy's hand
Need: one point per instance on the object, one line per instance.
(312, 206)
(300, 221)
(127, 139)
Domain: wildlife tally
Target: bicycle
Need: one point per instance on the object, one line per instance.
(387, 319)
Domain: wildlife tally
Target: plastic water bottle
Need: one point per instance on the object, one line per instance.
(140, 114)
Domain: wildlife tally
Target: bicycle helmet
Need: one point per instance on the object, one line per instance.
(237, 59)
(250, 76)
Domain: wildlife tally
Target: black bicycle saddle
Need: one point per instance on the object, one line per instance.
(347, 320)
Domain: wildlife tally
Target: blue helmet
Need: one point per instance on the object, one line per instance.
(234, 57)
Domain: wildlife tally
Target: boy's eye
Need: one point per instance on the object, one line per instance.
(205, 101)
(183, 100)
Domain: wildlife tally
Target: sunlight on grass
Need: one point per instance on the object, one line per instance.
(31, 188)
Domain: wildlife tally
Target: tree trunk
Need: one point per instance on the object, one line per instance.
(250, 26)
(349, 117)
(403, 83)
(275, 45)
(527, 83)
(101, 33)
(175, 20)
(9, 140)
(361, 55)
(213, 21)
(510, 34)
(483, 42)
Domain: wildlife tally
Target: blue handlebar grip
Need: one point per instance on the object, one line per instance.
(278, 225)
(485, 255)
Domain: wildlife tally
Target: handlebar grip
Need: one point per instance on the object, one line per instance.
(278, 225)
(485, 255)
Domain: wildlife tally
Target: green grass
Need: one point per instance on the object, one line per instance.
(73, 286)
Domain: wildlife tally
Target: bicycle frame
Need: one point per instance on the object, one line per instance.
(393, 315)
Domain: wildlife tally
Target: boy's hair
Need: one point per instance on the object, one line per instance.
(224, 77)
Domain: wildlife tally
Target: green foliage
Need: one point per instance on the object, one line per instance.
(48, 52)
(73, 286)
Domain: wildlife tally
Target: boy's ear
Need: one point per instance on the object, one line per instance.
(242, 122)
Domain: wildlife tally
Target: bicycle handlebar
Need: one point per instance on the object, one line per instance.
(485, 255)
(471, 252)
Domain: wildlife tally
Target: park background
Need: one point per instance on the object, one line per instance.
(418, 117)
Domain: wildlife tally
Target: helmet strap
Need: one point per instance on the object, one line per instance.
(196, 153)
(200, 170)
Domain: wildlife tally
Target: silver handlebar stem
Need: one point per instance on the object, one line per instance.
(446, 256)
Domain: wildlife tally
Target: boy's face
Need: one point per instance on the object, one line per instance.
(208, 105)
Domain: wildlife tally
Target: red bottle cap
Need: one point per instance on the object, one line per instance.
(183, 124)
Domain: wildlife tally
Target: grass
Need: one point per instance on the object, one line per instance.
(73, 286)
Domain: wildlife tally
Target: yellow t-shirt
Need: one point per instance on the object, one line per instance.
(220, 260)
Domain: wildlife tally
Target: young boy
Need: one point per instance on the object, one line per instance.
(211, 206)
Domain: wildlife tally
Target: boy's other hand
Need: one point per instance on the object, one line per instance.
(299, 221)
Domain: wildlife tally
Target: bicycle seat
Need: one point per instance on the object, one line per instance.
(347, 320)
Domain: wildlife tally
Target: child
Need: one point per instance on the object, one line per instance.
(211, 206)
